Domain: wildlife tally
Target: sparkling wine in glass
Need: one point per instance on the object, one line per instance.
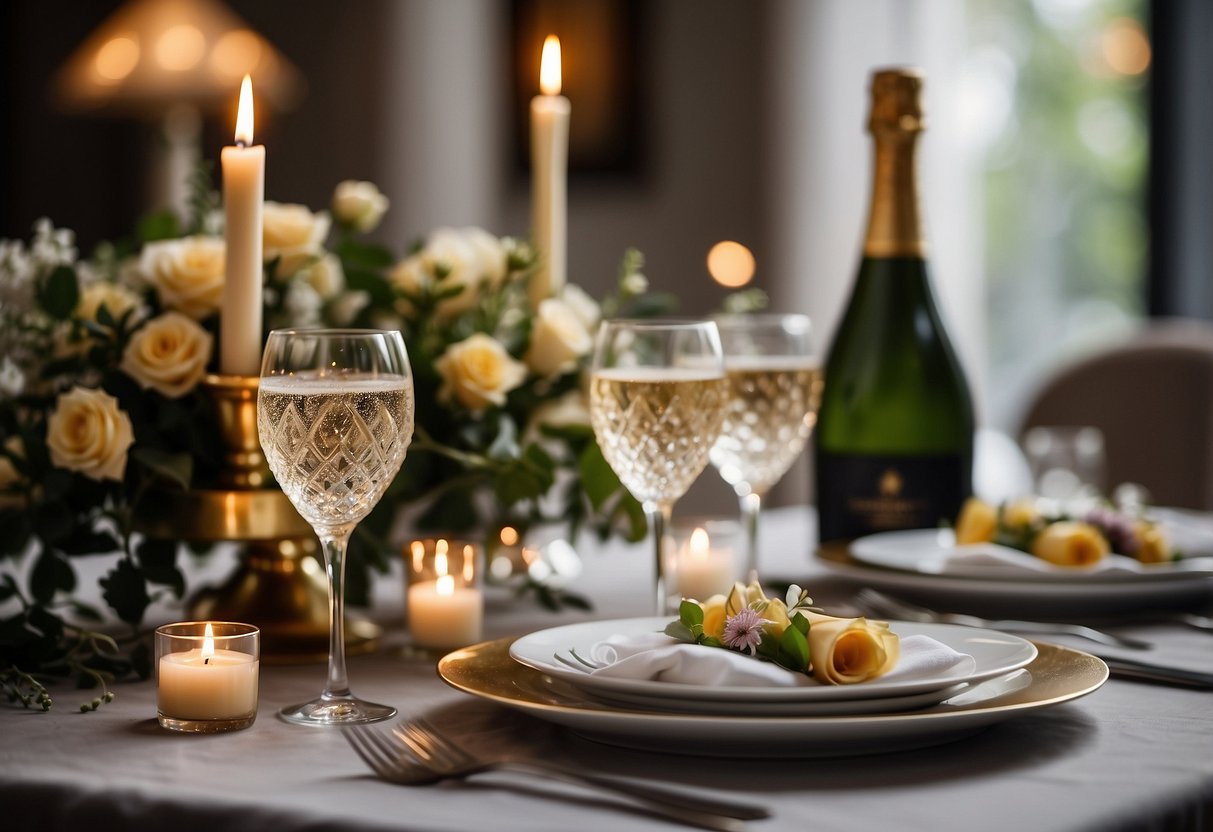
(335, 417)
(657, 398)
(774, 392)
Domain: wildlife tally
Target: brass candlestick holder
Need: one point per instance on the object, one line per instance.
(280, 585)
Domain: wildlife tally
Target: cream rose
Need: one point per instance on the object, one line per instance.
(467, 257)
(558, 339)
(1021, 514)
(293, 235)
(88, 433)
(168, 354)
(977, 523)
(583, 306)
(187, 274)
(1153, 546)
(326, 276)
(359, 205)
(1070, 544)
(117, 299)
(844, 651)
(478, 372)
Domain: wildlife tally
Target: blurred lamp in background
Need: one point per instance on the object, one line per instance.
(173, 61)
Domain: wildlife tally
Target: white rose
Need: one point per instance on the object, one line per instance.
(293, 234)
(478, 372)
(584, 306)
(168, 354)
(302, 304)
(117, 299)
(558, 339)
(187, 273)
(326, 276)
(469, 257)
(345, 308)
(88, 433)
(359, 205)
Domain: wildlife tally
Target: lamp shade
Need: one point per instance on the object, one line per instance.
(153, 54)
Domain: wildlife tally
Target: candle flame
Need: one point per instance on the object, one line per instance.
(418, 550)
(244, 115)
(208, 642)
(440, 565)
(699, 544)
(549, 66)
(445, 585)
(469, 563)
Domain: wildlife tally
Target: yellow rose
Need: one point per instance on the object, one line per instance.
(87, 433)
(1152, 543)
(359, 205)
(117, 299)
(1021, 514)
(1070, 544)
(977, 522)
(169, 354)
(558, 339)
(776, 614)
(467, 257)
(478, 372)
(714, 616)
(293, 235)
(187, 274)
(844, 651)
(9, 475)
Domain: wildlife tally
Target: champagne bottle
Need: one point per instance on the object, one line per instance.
(894, 438)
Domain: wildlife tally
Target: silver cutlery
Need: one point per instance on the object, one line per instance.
(1144, 671)
(416, 754)
(877, 603)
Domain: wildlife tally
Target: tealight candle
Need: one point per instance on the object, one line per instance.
(206, 675)
(445, 606)
(703, 571)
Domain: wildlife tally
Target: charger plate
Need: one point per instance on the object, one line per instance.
(1057, 674)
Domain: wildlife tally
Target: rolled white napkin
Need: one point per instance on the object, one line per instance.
(658, 658)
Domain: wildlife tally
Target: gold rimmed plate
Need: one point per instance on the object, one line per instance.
(1057, 674)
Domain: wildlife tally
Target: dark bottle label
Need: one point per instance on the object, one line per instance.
(858, 495)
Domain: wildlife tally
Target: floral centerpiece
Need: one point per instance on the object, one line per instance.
(100, 404)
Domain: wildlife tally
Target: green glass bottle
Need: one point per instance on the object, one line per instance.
(894, 438)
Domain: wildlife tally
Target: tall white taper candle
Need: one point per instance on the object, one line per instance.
(549, 175)
(243, 195)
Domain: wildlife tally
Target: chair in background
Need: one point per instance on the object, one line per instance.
(1152, 397)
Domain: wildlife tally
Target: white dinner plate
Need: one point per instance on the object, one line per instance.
(933, 552)
(996, 654)
(1058, 674)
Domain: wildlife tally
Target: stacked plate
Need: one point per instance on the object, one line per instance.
(1010, 676)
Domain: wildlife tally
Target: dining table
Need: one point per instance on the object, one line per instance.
(1129, 755)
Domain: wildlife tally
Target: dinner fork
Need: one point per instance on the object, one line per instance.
(418, 755)
(877, 603)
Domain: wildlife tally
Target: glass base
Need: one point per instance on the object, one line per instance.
(205, 726)
(336, 711)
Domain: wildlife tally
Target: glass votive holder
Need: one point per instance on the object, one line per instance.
(206, 676)
(444, 604)
(700, 557)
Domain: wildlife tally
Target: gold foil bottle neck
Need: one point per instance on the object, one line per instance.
(896, 119)
(896, 102)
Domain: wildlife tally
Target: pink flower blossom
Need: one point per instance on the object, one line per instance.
(743, 631)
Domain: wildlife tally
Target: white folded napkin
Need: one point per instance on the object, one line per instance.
(1003, 560)
(658, 658)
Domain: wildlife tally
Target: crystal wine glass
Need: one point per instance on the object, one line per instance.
(657, 398)
(774, 392)
(335, 417)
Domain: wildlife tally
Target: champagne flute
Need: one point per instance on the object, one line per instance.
(335, 417)
(657, 398)
(774, 392)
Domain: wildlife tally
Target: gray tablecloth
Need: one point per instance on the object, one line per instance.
(1131, 755)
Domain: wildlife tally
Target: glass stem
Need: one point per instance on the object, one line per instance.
(334, 543)
(659, 518)
(750, 505)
